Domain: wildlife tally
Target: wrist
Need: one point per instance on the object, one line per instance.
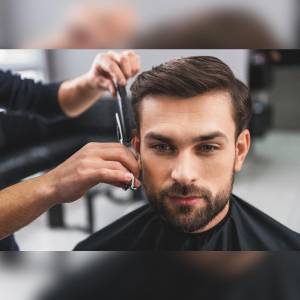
(86, 85)
(46, 190)
(77, 95)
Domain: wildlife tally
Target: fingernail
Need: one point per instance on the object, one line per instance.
(128, 176)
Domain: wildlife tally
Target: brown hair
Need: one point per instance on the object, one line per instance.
(191, 76)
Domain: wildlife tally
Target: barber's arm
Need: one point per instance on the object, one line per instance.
(95, 163)
(71, 97)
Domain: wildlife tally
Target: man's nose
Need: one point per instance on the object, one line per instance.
(185, 170)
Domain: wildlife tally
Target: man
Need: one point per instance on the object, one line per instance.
(192, 116)
(22, 203)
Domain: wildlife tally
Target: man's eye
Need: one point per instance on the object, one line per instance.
(162, 148)
(207, 148)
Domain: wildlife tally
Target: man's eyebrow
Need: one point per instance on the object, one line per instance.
(210, 136)
(200, 138)
(157, 136)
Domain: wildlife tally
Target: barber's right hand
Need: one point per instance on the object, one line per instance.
(111, 163)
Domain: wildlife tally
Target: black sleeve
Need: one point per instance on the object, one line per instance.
(25, 95)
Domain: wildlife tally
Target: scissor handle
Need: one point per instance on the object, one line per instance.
(125, 114)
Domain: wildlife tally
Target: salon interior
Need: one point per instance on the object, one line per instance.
(51, 41)
(269, 179)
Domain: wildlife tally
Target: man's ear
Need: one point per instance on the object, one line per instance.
(241, 149)
(135, 142)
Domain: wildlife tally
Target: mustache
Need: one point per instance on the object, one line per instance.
(179, 190)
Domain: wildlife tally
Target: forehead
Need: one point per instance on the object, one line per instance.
(186, 117)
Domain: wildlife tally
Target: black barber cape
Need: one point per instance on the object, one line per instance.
(24, 96)
(244, 228)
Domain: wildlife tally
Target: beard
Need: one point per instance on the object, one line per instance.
(189, 218)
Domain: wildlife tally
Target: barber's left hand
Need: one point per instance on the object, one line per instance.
(112, 67)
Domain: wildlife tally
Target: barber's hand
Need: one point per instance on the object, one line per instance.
(112, 67)
(111, 163)
(77, 95)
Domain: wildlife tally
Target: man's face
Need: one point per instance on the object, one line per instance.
(187, 151)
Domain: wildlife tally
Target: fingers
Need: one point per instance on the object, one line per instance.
(135, 62)
(125, 66)
(111, 176)
(111, 68)
(114, 165)
(123, 156)
(114, 156)
(129, 63)
(117, 68)
(102, 82)
(116, 178)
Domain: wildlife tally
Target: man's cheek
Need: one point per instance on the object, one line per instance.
(149, 168)
(219, 169)
(216, 172)
(153, 172)
(224, 177)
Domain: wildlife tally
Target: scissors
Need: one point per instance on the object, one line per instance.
(124, 120)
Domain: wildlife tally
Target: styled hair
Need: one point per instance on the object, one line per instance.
(189, 77)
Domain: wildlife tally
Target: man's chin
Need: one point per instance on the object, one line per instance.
(190, 218)
(184, 218)
(184, 225)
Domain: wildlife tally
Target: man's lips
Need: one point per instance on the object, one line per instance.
(191, 200)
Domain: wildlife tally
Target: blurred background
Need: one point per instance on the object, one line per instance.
(141, 275)
(269, 179)
(144, 24)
